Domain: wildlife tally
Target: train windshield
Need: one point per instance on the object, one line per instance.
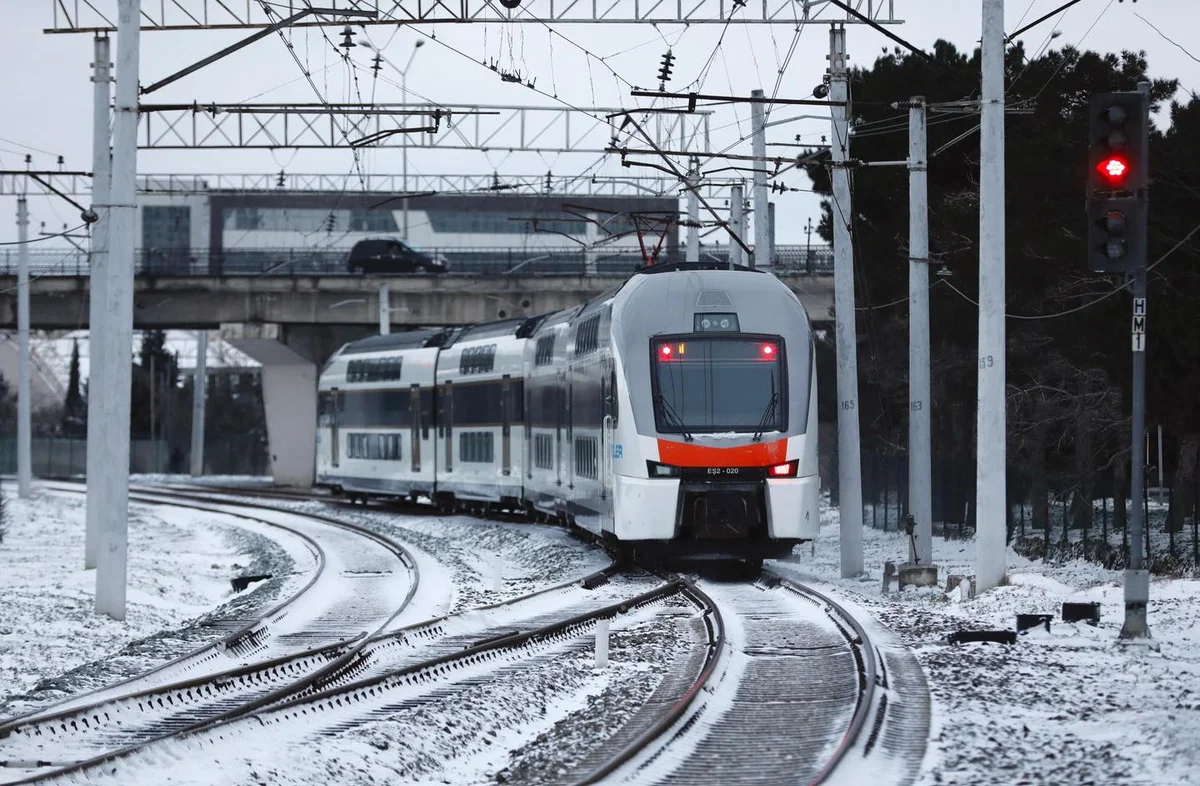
(719, 384)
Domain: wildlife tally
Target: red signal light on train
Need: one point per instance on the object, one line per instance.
(664, 351)
(768, 350)
(787, 470)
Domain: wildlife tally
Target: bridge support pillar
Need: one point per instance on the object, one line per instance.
(289, 383)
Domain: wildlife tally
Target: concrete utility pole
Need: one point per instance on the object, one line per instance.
(112, 379)
(991, 504)
(920, 482)
(199, 399)
(737, 221)
(762, 227)
(849, 456)
(24, 424)
(1137, 577)
(385, 310)
(693, 208)
(98, 494)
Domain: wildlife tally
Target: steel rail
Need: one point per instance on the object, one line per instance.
(864, 655)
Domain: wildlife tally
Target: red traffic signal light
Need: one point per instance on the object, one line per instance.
(1117, 144)
(1114, 169)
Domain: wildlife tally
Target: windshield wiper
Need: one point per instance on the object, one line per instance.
(767, 415)
(671, 417)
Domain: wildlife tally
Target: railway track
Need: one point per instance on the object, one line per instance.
(784, 668)
(354, 590)
(787, 701)
(795, 652)
(389, 673)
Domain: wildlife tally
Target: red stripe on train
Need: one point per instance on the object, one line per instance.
(759, 454)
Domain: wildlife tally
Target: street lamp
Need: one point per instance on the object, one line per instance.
(404, 148)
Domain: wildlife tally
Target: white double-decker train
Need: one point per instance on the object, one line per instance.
(675, 414)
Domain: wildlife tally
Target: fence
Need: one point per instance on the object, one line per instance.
(1173, 542)
(570, 260)
(223, 455)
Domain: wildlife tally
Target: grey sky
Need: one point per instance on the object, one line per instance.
(47, 99)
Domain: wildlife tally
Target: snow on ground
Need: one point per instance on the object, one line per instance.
(1068, 706)
(180, 566)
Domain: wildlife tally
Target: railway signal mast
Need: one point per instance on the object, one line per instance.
(1117, 208)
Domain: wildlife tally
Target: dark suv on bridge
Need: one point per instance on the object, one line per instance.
(391, 255)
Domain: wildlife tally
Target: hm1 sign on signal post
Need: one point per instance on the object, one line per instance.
(1139, 324)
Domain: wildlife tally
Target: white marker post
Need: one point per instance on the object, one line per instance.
(602, 643)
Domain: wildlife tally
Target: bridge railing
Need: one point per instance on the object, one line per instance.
(572, 261)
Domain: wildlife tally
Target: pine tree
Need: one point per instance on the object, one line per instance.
(74, 420)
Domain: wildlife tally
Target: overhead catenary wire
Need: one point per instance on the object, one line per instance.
(1091, 303)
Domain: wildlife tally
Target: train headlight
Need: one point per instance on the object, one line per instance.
(787, 470)
(715, 323)
(656, 470)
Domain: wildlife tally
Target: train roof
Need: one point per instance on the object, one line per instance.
(520, 327)
(409, 339)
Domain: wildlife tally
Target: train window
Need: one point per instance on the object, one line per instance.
(544, 355)
(477, 360)
(543, 451)
(374, 370)
(373, 447)
(587, 335)
(586, 454)
(719, 384)
(476, 447)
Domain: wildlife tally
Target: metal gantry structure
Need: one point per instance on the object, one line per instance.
(15, 183)
(97, 16)
(535, 129)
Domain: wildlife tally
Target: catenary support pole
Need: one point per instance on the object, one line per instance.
(737, 222)
(920, 478)
(991, 518)
(113, 379)
(385, 310)
(770, 234)
(762, 227)
(199, 401)
(98, 492)
(24, 418)
(849, 455)
(693, 202)
(1137, 577)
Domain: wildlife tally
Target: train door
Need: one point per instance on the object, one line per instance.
(448, 409)
(608, 398)
(415, 419)
(570, 427)
(506, 425)
(560, 402)
(528, 393)
(337, 399)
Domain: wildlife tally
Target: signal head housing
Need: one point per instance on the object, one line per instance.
(1117, 130)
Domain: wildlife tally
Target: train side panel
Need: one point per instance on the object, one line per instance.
(375, 422)
(480, 415)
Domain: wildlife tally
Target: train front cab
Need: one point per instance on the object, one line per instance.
(729, 460)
